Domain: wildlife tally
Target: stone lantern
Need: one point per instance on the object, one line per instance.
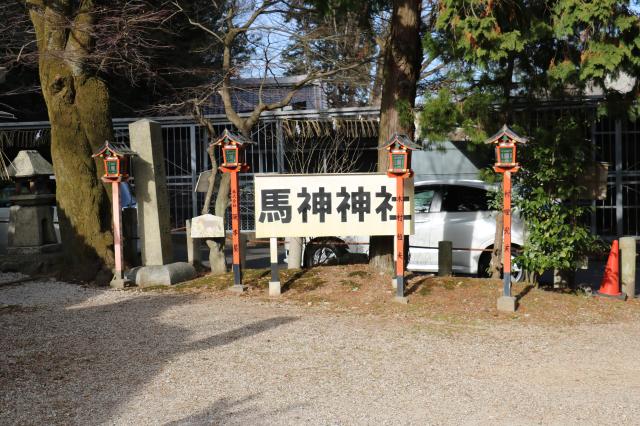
(31, 228)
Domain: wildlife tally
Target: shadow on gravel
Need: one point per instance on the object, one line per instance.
(226, 410)
(83, 365)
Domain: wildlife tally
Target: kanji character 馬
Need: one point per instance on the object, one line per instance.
(275, 205)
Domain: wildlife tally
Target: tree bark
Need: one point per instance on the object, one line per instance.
(401, 70)
(78, 108)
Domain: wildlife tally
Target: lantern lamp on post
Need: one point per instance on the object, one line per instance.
(233, 152)
(233, 161)
(116, 158)
(399, 148)
(506, 163)
(505, 141)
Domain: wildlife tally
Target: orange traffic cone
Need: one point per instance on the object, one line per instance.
(610, 285)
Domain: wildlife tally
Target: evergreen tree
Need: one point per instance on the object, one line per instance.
(517, 58)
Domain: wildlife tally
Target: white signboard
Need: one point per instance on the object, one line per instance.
(207, 226)
(329, 205)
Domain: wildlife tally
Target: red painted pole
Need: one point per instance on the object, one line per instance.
(117, 226)
(235, 228)
(400, 236)
(506, 232)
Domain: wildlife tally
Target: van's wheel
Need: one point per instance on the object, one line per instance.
(517, 273)
(318, 253)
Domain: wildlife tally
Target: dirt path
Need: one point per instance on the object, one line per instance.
(85, 356)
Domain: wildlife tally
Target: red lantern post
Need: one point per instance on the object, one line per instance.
(233, 161)
(116, 160)
(505, 140)
(399, 148)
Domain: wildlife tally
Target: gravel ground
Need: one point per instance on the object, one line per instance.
(76, 355)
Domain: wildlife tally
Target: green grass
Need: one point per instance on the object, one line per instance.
(361, 274)
(424, 290)
(307, 283)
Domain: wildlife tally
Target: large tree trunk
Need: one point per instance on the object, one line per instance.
(401, 70)
(216, 247)
(78, 107)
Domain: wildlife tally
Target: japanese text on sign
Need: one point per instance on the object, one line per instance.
(329, 205)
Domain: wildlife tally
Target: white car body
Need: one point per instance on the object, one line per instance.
(455, 214)
(448, 210)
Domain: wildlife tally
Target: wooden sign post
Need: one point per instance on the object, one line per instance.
(233, 161)
(116, 159)
(399, 148)
(505, 140)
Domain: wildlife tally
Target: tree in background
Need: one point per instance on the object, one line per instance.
(521, 55)
(402, 62)
(336, 29)
(262, 25)
(76, 42)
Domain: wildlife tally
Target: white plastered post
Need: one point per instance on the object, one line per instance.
(275, 288)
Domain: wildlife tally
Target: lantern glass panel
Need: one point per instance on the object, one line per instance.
(506, 155)
(230, 156)
(397, 161)
(112, 166)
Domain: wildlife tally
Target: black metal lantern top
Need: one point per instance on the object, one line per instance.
(399, 147)
(505, 140)
(117, 161)
(233, 151)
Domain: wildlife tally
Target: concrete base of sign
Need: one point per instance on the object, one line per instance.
(238, 288)
(275, 289)
(507, 304)
(394, 283)
(401, 299)
(172, 273)
(117, 283)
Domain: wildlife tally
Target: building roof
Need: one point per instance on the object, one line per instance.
(29, 163)
(235, 137)
(285, 81)
(118, 148)
(506, 131)
(401, 139)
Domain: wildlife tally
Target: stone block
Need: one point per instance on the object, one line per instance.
(275, 288)
(169, 274)
(151, 192)
(507, 304)
(30, 226)
(207, 226)
(401, 299)
(238, 288)
(628, 265)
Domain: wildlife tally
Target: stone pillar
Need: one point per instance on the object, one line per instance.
(151, 192)
(274, 285)
(628, 266)
(294, 257)
(193, 247)
(445, 258)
